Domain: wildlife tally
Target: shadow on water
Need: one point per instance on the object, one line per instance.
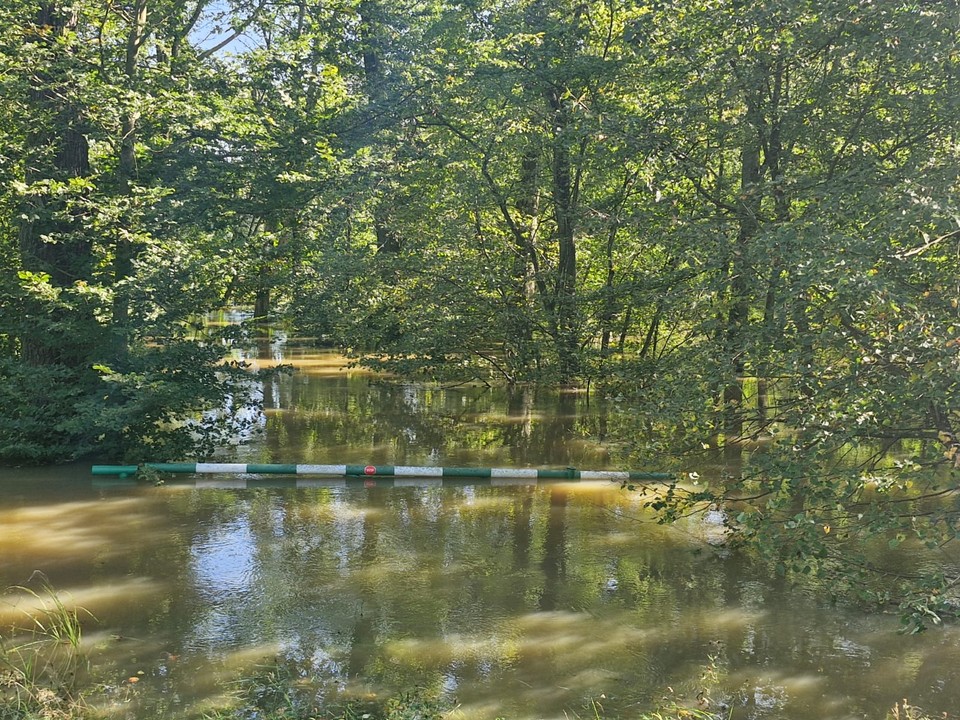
(520, 601)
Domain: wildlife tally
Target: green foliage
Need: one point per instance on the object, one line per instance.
(112, 240)
(176, 399)
(739, 221)
(809, 173)
(173, 399)
(39, 409)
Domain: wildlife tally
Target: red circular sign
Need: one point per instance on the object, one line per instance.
(369, 470)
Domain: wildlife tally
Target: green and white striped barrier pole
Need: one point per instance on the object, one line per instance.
(382, 471)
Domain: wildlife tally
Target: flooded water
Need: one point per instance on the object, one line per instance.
(510, 600)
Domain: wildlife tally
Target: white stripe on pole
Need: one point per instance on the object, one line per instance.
(604, 475)
(513, 473)
(414, 471)
(321, 469)
(221, 468)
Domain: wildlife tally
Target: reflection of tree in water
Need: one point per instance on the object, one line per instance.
(522, 533)
(388, 587)
(363, 638)
(554, 562)
(398, 423)
(411, 584)
(506, 594)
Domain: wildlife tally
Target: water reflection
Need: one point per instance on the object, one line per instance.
(327, 411)
(514, 600)
(224, 568)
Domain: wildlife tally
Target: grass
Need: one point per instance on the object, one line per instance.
(42, 665)
(903, 710)
(280, 691)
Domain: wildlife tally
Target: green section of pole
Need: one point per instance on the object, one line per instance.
(115, 470)
(565, 474)
(272, 469)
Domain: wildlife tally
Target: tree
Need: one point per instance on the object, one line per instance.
(812, 142)
(495, 136)
(85, 316)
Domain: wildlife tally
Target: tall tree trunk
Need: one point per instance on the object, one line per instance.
(51, 236)
(773, 167)
(375, 87)
(269, 242)
(748, 223)
(522, 290)
(261, 303)
(609, 292)
(124, 250)
(609, 309)
(528, 209)
(564, 204)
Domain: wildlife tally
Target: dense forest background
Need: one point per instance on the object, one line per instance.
(739, 219)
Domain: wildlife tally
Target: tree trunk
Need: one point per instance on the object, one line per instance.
(374, 83)
(523, 288)
(51, 236)
(748, 223)
(564, 204)
(773, 167)
(261, 304)
(124, 250)
(269, 244)
(609, 305)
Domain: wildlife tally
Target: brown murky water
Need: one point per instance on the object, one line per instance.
(515, 601)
